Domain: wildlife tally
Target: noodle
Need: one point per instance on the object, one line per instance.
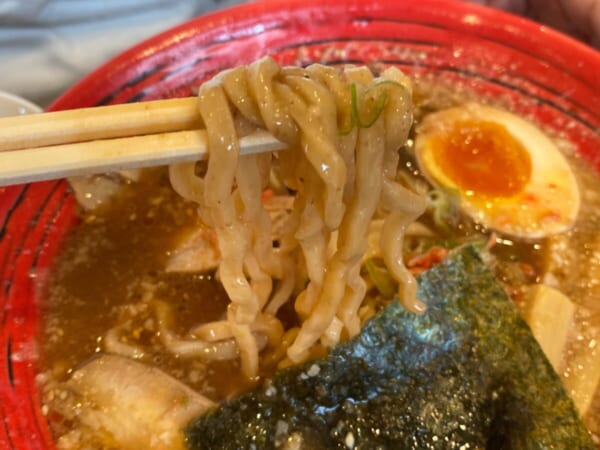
(344, 129)
(113, 344)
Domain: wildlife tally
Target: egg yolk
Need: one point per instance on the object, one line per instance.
(482, 158)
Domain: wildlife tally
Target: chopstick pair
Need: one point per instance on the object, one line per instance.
(102, 139)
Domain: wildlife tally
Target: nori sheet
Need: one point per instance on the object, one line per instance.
(468, 374)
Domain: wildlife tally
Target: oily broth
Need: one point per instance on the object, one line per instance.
(574, 265)
(115, 259)
(112, 261)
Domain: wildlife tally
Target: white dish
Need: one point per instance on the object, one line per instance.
(13, 105)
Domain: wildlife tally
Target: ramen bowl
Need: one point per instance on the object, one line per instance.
(537, 72)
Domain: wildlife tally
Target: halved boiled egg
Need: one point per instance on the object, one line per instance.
(510, 175)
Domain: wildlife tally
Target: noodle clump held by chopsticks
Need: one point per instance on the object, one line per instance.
(344, 129)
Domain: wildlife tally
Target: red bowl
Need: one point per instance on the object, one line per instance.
(541, 73)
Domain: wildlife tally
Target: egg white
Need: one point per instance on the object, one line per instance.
(549, 202)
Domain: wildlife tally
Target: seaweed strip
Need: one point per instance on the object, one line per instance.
(468, 374)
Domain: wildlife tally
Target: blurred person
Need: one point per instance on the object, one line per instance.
(579, 18)
(47, 45)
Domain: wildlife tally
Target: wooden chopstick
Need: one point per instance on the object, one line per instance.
(102, 122)
(60, 161)
(52, 145)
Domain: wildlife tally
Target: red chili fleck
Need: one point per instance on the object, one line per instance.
(550, 215)
(424, 261)
(267, 195)
(528, 270)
